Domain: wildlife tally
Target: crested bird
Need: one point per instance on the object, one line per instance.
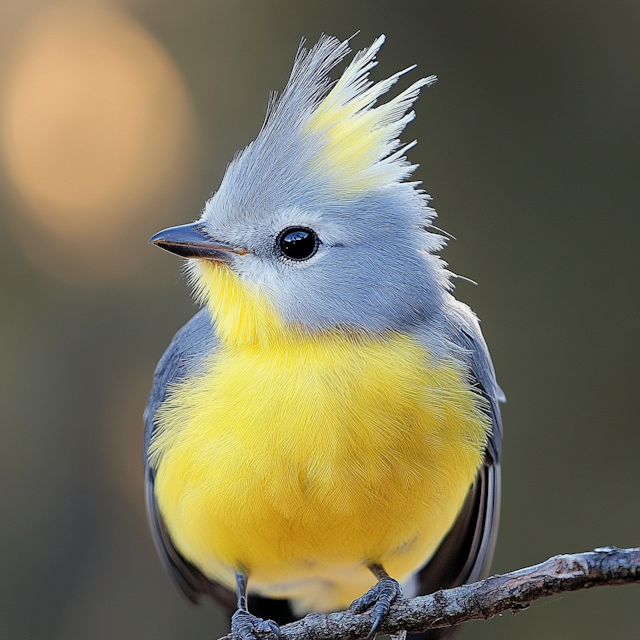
(325, 432)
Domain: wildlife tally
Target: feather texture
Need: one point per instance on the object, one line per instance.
(323, 414)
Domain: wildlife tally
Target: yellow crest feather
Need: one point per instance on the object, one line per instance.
(358, 141)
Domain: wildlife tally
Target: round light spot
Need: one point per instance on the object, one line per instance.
(96, 125)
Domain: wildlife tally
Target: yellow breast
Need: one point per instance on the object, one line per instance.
(300, 460)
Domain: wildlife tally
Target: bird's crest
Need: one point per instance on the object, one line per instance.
(359, 141)
(332, 131)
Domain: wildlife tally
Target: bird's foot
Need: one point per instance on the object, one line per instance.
(379, 599)
(248, 627)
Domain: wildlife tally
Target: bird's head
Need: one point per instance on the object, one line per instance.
(314, 227)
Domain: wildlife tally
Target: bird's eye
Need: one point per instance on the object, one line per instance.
(298, 243)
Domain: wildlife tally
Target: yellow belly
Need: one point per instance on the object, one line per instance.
(301, 464)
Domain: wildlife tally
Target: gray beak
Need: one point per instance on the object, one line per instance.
(191, 241)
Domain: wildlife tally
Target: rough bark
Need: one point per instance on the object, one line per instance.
(606, 566)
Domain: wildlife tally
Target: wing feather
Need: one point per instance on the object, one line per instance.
(181, 359)
(465, 554)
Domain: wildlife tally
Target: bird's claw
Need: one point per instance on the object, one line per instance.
(379, 599)
(248, 627)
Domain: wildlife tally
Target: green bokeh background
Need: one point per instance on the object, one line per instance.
(530, 146)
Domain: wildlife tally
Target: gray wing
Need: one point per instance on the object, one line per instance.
(182, 358)
(465, 554)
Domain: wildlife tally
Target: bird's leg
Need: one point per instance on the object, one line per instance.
(379, 598)
(245, 625)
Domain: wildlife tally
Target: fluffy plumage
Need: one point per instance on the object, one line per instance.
(324, 414)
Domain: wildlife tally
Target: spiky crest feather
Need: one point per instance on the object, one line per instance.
(324, 134)
(358, 141)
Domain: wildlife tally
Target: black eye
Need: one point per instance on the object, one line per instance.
(298, 243)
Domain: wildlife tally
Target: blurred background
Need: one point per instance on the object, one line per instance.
(117, 119)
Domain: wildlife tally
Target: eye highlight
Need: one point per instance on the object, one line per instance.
(298, 243)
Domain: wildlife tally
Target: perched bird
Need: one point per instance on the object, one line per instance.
(326, 428)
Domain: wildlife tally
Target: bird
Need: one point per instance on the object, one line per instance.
(325, 432)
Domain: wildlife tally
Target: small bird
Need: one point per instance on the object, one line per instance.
(325, 432)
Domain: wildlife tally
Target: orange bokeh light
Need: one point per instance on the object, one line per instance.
(96, 122)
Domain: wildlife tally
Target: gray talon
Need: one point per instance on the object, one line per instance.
(379, 599)
(246, 625)
(274, 628)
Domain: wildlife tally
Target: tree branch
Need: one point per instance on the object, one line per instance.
(513, 591)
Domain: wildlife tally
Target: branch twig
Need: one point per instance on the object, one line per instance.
(481, 600)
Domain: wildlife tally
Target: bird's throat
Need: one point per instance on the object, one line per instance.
(241, 313)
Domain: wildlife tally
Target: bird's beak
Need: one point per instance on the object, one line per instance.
(191, 241)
